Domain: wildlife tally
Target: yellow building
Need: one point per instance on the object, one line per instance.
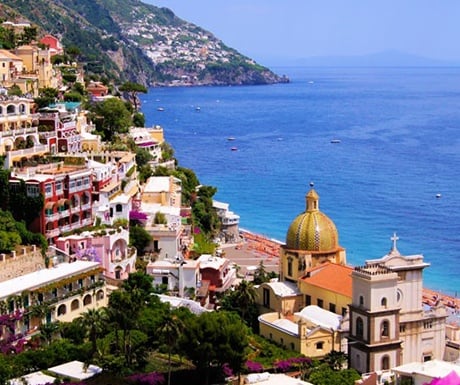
(313, 331)
(312, 239)
(328, 286)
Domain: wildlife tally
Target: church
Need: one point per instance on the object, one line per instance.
(381, 322)
(389, 325)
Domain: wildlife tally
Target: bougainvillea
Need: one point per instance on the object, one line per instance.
(153, 378)
(12, 342)
(227, 370)
(254, 367)
(291, 363)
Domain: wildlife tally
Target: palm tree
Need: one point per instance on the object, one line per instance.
(48, 331)
(170, 331)
(245, 296)
(94, 321)
(335, 359)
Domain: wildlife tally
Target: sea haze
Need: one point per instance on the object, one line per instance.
(398, 150)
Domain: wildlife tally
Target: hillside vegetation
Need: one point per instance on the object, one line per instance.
(134, 41)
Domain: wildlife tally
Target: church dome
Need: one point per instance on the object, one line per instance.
(312, 230)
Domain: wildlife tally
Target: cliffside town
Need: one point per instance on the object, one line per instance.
(131, 40)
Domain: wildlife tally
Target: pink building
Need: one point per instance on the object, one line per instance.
(109, 247)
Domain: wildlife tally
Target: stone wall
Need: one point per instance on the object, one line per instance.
(24, 260)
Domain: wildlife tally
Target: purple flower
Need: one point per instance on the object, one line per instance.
(254, 367)
(228, 372)
(153, 378)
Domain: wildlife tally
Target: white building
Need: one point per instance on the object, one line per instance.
(388, 324)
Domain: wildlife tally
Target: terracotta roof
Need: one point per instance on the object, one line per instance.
(330, 276)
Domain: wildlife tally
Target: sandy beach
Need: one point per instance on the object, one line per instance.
(255, 248)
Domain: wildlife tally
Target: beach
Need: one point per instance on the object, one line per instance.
(255, 248)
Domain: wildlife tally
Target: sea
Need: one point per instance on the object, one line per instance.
(381, 146)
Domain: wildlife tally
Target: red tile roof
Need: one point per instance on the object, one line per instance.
(330, 276)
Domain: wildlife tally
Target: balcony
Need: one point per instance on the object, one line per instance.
(52, 233)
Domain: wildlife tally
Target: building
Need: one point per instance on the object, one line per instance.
(53, 43)
(308, 260)
(230, 232)
(312, 331)
(67, 191)
(165, 190)
(109, 247)
(19, 136)
(283, 297)
(59, 122)
(64, 291)
(311, 239)
(218, 272)
(388, 324)
(328, 286)
(176, 275)
(149, 139)
(423, 373)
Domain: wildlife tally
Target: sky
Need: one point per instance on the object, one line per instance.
(290, 29)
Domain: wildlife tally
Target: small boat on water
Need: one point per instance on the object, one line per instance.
(234, 149)
(160, 109)
(230, 138)
(335, 141)
(438, 195)
(198, 109)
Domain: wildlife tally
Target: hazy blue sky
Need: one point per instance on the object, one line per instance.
(266, 29)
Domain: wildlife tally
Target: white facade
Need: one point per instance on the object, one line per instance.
(388, 324)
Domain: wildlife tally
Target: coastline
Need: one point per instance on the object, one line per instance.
(256, 248)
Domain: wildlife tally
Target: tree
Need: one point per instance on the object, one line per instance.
(215, 339)
(133, 89)
(335, 359)
(93, 322)
(242, 301)
(111, 117)
(204, 215)
(139, 238)
(169, 331)
(6, 370)
(324, 375)
(138, 119)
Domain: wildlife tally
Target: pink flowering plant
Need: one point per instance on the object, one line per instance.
(254, 367)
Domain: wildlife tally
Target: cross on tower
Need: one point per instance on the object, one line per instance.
(394, 238)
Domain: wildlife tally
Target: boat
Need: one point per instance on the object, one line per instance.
(335, 140)
(234, 149)
(438, 195)
(198, 109)
(230, 138)
(160, 109)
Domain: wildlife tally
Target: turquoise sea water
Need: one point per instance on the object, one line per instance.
(399, 133)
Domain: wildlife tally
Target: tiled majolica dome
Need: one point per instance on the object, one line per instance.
(312, 230)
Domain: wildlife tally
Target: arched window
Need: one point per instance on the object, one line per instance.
(74, 305)
(61, 310)
(385, 329)
(359, 327)
(289, 267)
(100, 295)
(361, 300)
(87, 300)
(384, 302)
(385, 362)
